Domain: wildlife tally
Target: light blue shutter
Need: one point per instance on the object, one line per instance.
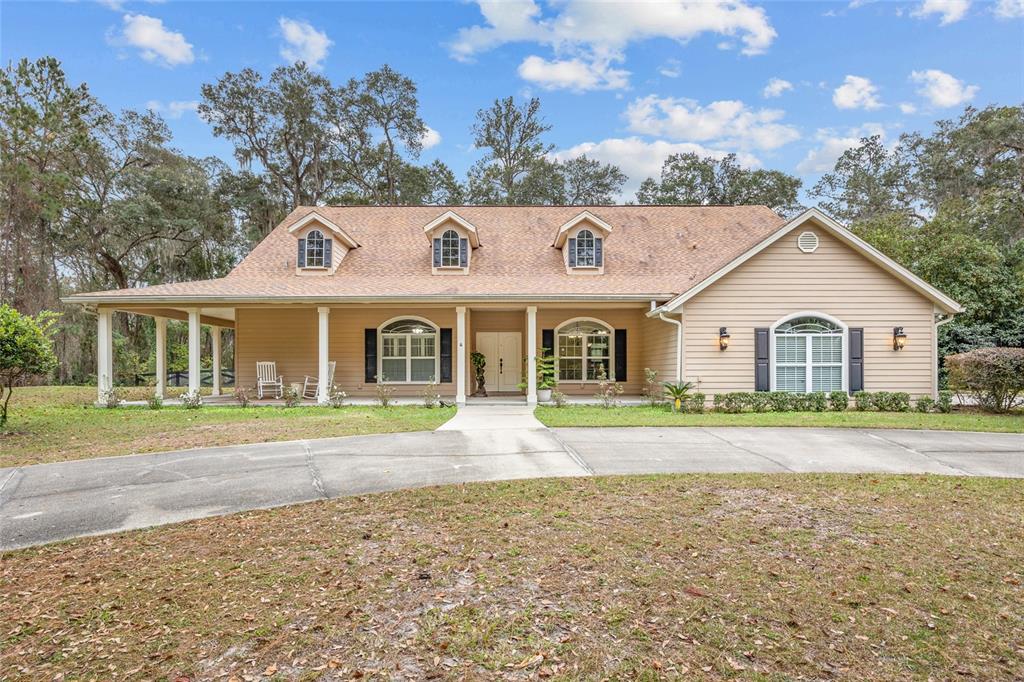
(572, 252)
(463, 253)
(302, 253)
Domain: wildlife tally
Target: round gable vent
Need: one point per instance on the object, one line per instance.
(807, 242)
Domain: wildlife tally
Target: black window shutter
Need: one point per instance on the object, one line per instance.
(327, 253)
(620, 353)
(370, 352)
(437, 253)
(572, 252)
(599, 252)
(761, 360)
(856, 359)
(446, 356)
(547, 340)
(463, 252)
(301, 260)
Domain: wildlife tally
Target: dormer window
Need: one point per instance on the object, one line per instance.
(454, 250)
(585, 250)
(322, 245)
(452, 240)
(317, 249)
(581, 240)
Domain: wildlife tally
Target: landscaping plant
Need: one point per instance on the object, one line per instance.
(694, 403)
(385, 394)
(155, 401)
(292, 398)
(651, 391)
(945, 402)
(192, 400)
(992, 376)
(558, 398)
(243, 396)
(110, 398)
(677, 393)
(608, 391)
(431, 398)
(924, 404)
(479, 361)
(26, 349)
(863, 401)
(336, 397)
(838, 401)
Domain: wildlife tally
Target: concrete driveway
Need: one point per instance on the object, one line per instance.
(48, 502)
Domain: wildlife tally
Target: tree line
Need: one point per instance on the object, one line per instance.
(95, 199)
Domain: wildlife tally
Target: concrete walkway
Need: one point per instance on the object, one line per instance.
(48, 502)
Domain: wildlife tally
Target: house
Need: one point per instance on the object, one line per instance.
(733, 298)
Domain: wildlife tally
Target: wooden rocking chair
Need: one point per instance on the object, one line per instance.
(267, 377)
(311, 384)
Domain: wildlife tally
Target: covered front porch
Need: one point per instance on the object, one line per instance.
(407, 351)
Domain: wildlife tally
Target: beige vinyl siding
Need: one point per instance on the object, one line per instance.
(659, 349)
(288, 336)
(629, 319)
(834, 280)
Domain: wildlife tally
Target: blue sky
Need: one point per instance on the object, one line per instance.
(784, 85)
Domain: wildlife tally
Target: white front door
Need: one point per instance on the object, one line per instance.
(504, 354)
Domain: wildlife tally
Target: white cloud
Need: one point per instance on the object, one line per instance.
(431, 138)
(832, 144)
(775, 87)
(174, 108)
(727, 122)
(1009, 9)
(951, 11)
(640, 159)
(856, 92)
(599, 32)
(573, 74)
(942, 89)
(154, 42)
(673, 69)
(907, 108)
(303, 43)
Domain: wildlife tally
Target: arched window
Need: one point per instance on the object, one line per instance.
(808, 355)
(584, 347)
(585, 256)
(314, 249)
(450, 249)
(408, 352)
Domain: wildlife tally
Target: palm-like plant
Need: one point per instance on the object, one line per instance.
(678, 392)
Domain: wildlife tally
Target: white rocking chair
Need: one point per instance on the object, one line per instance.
(311, 384)
(267, 377)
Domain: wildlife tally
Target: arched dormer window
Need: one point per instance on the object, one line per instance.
(315, 250)
(585, 251)
(450, 251)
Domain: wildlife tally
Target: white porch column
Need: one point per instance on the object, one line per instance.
(194, 368)
(215, 338)
(323, 387)
(531, 355)
(161, 355)
(104, 352)
(460, 355)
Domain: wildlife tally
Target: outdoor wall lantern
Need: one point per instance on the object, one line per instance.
(723, 338)
(899, 338)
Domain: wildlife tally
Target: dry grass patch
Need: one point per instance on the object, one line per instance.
(54, 424)
(752, 577)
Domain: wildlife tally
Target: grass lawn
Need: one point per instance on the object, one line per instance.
(57, 423)
(595, 415)
(745, 576)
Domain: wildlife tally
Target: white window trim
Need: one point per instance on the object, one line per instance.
(408, 356)
(458, 247)
(611, 352)
(593, 249)
(324, 265)
(808, 383)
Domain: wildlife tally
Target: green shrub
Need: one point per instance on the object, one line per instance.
(993, 376)
(781, 402)
(838, 401)
(155, 402)
(924, 404)
(863, 400)
(945, 403)
(694, 403)
(887, 401)
(759, 401)
(816, 401)
(192, 400)
(731, 403)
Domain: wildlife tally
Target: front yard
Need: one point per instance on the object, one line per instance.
(594, 415)
(752, 577)
(57, 423)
